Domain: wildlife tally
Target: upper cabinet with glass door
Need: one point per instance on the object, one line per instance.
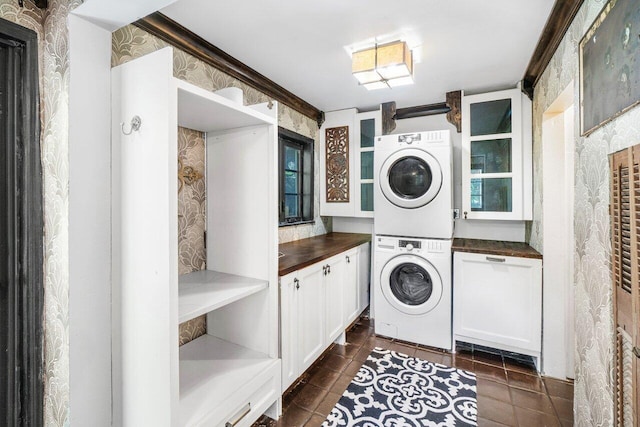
(496, 156)
(346, 162)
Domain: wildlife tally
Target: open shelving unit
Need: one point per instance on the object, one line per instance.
(232, 373)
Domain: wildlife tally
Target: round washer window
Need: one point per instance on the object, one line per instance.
(411, 284)
(410, 177)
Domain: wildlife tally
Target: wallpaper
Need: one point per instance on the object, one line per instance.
(54, 105)
(131, 42)
(191, 220)
(593, 405)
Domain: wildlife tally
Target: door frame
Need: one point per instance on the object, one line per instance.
(22, 169)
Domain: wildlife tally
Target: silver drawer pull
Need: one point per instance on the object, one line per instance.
(243, 413)
(494, 259)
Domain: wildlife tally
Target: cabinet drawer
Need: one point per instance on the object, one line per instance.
(245, 406)
(498, 301)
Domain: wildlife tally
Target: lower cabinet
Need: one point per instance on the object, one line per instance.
(497, 301)
(316, 304)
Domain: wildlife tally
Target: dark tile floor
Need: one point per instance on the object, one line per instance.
(510, 391)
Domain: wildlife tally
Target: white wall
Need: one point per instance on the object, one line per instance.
(89, 224)
(471, 229)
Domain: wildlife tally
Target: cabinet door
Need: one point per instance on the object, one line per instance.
(337, 196)
(498, 300)
(289, 328)
(310, 316)
(367, 126)
(496, 156)
(364, 276)
(350, 287)
(333, 284)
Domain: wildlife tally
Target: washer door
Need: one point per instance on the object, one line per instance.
(411, 284)
(410, 178)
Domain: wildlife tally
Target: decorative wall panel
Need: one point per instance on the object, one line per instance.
(594, 353)
(131, 42)
(337, 161)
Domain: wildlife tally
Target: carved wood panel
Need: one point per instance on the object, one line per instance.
(337, 164)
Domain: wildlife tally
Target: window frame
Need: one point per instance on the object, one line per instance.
(305, 168)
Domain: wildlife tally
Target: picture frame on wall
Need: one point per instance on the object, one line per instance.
(610, 65)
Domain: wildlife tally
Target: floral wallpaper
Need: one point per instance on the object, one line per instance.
(51, 27)
(131, 42)
(593, 403)
(191, 221)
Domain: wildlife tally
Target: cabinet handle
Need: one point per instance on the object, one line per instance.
(239, 416)
(324, 270)
(348, 260)
(328, 269)
(297, 283)
(494, 259)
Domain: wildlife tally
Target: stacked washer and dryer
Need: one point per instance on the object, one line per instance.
(413, 225)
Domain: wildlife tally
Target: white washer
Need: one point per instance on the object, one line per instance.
(412, 286)
(413, 185)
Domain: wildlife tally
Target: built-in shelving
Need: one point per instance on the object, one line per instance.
(212, 371)
(205, 111)
(231, 374)
(203, 291)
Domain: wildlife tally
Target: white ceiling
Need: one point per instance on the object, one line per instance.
(302, 45)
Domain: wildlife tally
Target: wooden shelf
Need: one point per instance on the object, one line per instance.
(203, 291)
(211, 371)
(205, 111)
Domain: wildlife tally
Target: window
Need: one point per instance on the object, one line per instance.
(296, 177)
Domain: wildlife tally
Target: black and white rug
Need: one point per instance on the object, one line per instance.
(395, 390)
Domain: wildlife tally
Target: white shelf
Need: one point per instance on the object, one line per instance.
(205, 111)
(203, 291)
(211, 371)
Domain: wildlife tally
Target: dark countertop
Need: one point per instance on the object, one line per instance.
(495, 247)
(303, 253)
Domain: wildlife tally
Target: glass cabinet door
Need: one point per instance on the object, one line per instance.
(370, 126)
(492, 155)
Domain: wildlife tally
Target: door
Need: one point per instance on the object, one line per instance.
(289, 286)
(350, 287)
(334, 282)
(310, 315)
(410, 178)
(411, 284)
(625, 219)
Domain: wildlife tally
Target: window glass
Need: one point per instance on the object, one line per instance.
(491, 117)
(366, 197)
(296, 178)
(367, 132)
(366, 165)
(491, 194)
(492, 156)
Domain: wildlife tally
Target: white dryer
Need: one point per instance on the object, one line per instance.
(412, 290)
(413, 185)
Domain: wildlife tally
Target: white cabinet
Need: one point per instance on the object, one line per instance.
(346, 162)
(497, 156)
(312, 309)
(497, 301)
(233, 372)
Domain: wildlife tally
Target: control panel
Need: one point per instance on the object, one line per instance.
(408, 245)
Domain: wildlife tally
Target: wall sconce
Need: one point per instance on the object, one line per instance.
(381, 66)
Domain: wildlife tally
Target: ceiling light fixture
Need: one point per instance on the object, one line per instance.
(381, 66)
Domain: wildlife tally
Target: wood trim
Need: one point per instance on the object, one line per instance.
(21, 194)
(454, 101)
(388, 117)
(175, 34)
(422, 110)
(558, 23)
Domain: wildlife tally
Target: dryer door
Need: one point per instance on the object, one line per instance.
(411, 284)
(410, 178)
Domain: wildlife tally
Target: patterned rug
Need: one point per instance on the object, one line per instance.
(395, 390)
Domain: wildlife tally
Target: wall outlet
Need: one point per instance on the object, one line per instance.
(456, 214)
